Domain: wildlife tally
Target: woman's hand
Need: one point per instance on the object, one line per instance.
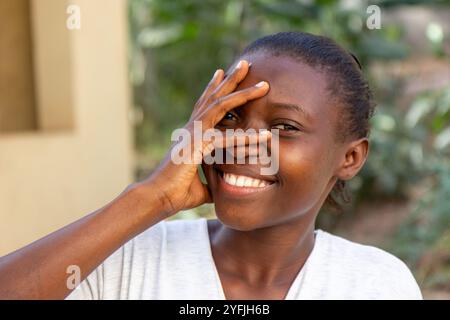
(178, 185)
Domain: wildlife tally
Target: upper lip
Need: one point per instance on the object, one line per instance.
(245, 170)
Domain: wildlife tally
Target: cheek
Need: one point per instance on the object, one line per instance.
(303, 169)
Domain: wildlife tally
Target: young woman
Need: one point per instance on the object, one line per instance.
(264, 244)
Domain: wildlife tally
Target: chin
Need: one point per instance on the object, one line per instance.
(241, 195)
(238, 218)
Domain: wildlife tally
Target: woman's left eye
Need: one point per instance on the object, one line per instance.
(285, 127)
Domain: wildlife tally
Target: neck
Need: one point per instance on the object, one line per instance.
(265, 256)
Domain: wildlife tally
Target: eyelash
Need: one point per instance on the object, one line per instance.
(287, 127)
(290, 127)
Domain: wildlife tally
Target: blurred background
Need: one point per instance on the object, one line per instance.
(85, 111)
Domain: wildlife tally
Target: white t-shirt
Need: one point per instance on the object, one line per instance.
(173, 260)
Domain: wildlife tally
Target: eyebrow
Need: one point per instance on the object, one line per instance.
(293, 107)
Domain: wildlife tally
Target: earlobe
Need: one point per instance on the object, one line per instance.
(354, 158)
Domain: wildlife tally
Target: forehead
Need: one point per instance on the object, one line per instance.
(290, 81)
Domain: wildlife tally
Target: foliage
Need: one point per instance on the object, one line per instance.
(177, 45)
(424, 237)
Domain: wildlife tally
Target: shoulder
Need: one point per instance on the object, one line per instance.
(373, 270)
(170, 233)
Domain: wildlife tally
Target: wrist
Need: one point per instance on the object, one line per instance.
(149, 201)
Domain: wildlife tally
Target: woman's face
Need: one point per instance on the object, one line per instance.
(299, 105)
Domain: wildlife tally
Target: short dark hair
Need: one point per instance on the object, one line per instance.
(346, 84)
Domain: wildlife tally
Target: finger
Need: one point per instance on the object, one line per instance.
(207, 197)
(231, 81)
(238, 145)
(212, 85)
(224, 141)
(221, 106)
(249, 147)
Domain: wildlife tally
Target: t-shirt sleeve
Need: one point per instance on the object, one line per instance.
(90, 288)
(357, 271)
(390, 277)
(399, 283)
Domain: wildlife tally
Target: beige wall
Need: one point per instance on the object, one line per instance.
(54, 61)
(17, 105)
(80, 158)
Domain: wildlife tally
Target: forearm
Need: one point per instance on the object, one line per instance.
(39, 270)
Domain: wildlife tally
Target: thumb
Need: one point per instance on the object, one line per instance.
(207, 192)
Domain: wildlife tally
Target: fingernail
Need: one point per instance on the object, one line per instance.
(216, 74)
(239, 65)
(260, 84)
(250, 64)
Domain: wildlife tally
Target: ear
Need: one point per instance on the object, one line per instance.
(354, 158)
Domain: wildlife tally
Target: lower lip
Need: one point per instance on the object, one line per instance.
(240, 191)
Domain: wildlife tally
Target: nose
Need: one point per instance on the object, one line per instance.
(250, 150)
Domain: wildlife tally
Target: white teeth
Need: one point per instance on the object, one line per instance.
(243, 181)
(240, 181)
(231, 178)
(248, 182)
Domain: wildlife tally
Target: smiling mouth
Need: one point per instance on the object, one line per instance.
(244, 181)
(240, 185)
